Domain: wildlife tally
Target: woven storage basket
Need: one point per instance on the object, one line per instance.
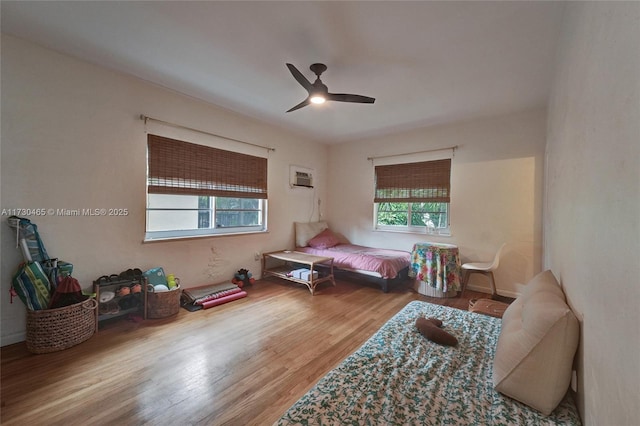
(163, 304)
(472, 303)
(51, 330)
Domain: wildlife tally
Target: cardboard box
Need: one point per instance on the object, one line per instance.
(296, 273)
(307, 275)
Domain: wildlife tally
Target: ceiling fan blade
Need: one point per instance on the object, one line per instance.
(345, 97)
(300, 105)
(300, 78)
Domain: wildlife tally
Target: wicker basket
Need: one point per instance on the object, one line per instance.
(51, 330)
(489, 307)
(163, 304)
(472, 303)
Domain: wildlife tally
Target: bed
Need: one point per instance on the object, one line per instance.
(383, 266)
(398, 377)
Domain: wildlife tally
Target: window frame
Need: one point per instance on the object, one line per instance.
(211, 231)
(409, 228)
(163, 151)
(412, 180)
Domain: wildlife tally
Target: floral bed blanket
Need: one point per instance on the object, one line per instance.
(398, 377)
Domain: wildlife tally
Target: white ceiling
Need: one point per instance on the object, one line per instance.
(424, 62)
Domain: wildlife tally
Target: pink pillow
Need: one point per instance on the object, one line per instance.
(324, 240)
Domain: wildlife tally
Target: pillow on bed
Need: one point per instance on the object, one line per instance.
(324, 240)
(307, 230)
(536, 347)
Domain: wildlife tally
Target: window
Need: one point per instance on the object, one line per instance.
(195, 190)
(204, 212)
(413, 196)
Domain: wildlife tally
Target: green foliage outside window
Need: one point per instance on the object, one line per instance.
(433, 215)
(232, 212)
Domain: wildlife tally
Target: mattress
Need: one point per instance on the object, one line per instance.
(398, 377)
(384, 263)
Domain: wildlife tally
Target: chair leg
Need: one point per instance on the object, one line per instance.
(465, 280)
(492, 281)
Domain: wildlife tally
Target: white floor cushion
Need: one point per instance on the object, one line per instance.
(536, 346)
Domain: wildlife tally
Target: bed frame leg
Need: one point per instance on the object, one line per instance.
(385, 286)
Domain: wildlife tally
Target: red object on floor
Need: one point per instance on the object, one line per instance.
(224, 299)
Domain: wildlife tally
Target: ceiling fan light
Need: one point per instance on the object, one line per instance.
(317, 99)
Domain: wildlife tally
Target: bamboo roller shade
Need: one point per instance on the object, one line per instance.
(183, 168)
(426, 181)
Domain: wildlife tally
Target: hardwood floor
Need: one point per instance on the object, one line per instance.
(242, 363)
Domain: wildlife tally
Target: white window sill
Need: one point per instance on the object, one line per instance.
(416, 231)
(192, 237)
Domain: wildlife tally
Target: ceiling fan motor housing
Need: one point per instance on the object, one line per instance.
(319, 88)
(318, 69)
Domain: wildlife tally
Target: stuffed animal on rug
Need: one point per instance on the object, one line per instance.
(430, 328)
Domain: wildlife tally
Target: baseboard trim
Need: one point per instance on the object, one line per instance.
(506, 293)
(13, 338)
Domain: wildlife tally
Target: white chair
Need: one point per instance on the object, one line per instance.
(485, 268)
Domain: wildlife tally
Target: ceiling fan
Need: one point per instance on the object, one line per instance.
(318, 92)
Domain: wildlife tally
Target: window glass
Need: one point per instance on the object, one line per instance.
(424, 216)
(393, 214)
(172, 216)
(432, 215)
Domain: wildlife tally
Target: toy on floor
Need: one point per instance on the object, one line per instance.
(243, 277)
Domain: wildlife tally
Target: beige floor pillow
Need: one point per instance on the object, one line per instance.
(544, 281)
(536, 347)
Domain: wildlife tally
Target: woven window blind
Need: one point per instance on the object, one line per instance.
(427, 181)
(183, 168)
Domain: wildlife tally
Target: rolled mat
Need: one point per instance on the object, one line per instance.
(194, 293)
(224, 299)
(217, 295)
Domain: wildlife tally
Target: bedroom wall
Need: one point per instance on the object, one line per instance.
(72, 138)
(496, 191)
(592, 205)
